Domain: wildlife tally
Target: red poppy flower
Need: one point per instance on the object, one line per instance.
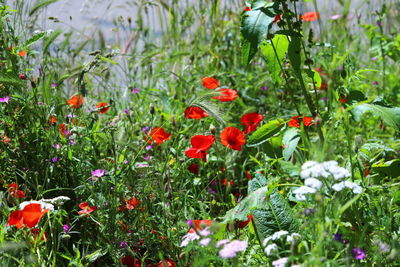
(76, 101)
(132, 203)
(6, 140)
(196, 113)
(200, 144)
(158, 135)
(242, 225)
(308, 121)
(251, 120)
(210, 82)
(131, 261)
(193, 168)
(13, 188)
(310, 16)
(294, 122)
(86, 208)
(22, 53)
(226, 95)
(166, 263)
(29, 216)
(247, 8)
(103, 107)
(233, 138)
(343, 99)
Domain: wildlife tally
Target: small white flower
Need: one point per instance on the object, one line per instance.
(300, 193)
(42, 204)
(205, 232)
(271, 248)
(188, 238)
(266, 240)
(347, 184)
(308, 164)
(222, 242)
(279, 234)
(58, 201)
(280, 262)
(204, 242)
(293, 238)
(313, 183)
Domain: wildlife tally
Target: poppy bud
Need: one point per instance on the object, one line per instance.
(22, 76)
(212, 128)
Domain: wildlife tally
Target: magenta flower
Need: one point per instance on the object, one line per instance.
(358, 253)
(66, 228)
(4, 99)
(335, 17)
(99, 173)
(135, 91)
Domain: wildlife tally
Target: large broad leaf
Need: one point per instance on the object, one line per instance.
(391, 116)
(290, 140)
(389, 168)
(315, 77)
(265, 132)
(254, 200)
(255, 26)
(274, 52)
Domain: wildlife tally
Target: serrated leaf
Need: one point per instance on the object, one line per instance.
(274, 57)
(294, 53)
(274, 215)
(290, 140)
(254, 200)
(255, 25)
(390, 116)
(265, 132)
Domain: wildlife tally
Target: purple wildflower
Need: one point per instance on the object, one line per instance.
(66, 228)
(126, 111)
(4, 99)
(189, 223)
(379, 23)
(70, 115)
(71, 141)
(148, 147)
(125, 162)
(123, 244)
(147, 157)
(146, 129)
(54, 159)
(358, 253)
(374, 58)
(135, 91)
(56, 146)
(375, 83)
(337, 237)
(99, 173)
(53, 85)
(264, 88)
(325, 99)
(335, 17)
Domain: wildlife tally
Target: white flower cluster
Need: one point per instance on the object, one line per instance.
(313, 169)
(347, 184)
(313, 172)
(271, 247)
(58, 201)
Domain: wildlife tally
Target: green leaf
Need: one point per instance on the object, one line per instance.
(51, 39)
(277, 215)
(274, 58)
(295, 53)
(11, 79)
(391, 116)
(265, 132)
(41, 4)
(255, 26)
(314, 75)
(390, 168)
(290, 140)
(254, 200)
(95, 255)
(34, 39)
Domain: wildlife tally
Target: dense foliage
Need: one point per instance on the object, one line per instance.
(260, 135)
